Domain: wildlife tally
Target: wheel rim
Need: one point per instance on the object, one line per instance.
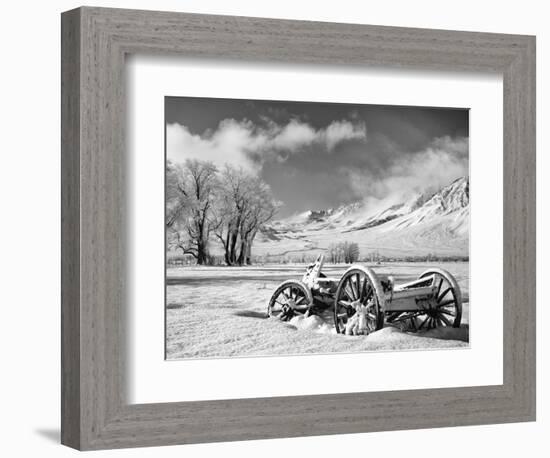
(356, 291)
(445, 311)
(289, 300)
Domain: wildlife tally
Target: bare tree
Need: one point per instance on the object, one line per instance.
(229, 211)
(191, 191)
(334, 253)
(176, 200)
(245, 206)
(347, 252)
(351, 252)
(261, 209)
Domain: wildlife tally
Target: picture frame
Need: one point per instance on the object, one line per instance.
(95, 410)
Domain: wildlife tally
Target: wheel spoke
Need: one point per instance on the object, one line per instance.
(447, 312)
(439, 287)
(443, 294)
(358, 286)
(352, 295)
(276, 310)
(355, 293)
(423, 323)
(447, 308)
(444, 319)
(291, 299)
(354, 287)
(370, 292)
(363, 294)
(445, 303)
(301, 307)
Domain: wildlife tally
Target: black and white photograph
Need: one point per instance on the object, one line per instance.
(297, 227)
(250, 229)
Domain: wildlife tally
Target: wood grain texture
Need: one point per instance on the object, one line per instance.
(95, 413)
(70, 229)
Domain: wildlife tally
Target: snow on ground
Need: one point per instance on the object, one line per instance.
(221, 312)
(435, 223)
(438, 236)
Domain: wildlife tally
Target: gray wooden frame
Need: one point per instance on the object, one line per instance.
(95, 413)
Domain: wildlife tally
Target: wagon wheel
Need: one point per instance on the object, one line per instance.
(359, 290)
(446, 309)
(291, 298)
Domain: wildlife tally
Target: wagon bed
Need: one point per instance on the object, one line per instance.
(363, 301)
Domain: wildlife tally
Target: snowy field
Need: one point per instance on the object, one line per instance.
(217, 312)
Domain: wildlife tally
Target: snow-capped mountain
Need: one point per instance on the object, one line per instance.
(435, 222)
(453, 199)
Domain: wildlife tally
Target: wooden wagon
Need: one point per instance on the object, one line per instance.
(362, 301)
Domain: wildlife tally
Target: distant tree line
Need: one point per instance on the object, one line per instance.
(338, 258)
(307, 258)
(375, 256)
(346, 252)
(204, 204)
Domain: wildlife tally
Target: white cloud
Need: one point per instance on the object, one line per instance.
(225, 145)
(236, 142)
(339, 131)
(445, 160)
(457, 146)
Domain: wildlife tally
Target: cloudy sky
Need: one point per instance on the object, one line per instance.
(321, 155)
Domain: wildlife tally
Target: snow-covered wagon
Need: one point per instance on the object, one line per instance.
(362, 301)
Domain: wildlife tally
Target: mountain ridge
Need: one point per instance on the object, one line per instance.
(431, 222)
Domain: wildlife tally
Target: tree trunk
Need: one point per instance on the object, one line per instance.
(202, 253)
(226, 250)
(202, 246)
(242, 253)
(233, 247)
(248, 257)
(245, 253)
